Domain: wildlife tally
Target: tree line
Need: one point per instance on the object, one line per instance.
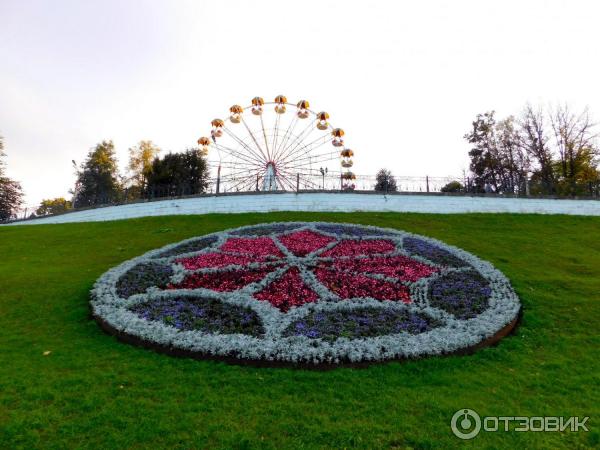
(98, 180)
(541, 151)
(549, 151)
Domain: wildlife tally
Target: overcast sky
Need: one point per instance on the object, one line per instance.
(404, 79)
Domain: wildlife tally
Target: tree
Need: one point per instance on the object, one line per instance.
(97, 178)
(558, 148)
(11, 193)
(178, 174)
(57, 205)
(140, 165)
(513, 160)
(484, 163)
(385, 182)
(453, 186)
(534, 142)
(498, 162)
(575, 142)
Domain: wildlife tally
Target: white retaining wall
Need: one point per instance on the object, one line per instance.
(328, 202)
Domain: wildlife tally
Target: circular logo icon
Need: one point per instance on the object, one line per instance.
(466, 424)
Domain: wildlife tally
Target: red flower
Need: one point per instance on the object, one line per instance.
(287, 291)
(217, 260)
(260, 246)
(351, 285)
(222, 281)
(302, 243)
(349, 275)
(357, 248)
(401, 267)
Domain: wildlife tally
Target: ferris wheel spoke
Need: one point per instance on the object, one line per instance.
(306, 168)
(254, 140)
(300, 178)
(299, 136)
(241, 157)
(238, 174)
(275, 133)
(287, 134)
(310, 159)
(262, 125)
(247, 157)
(234, 164)
(248, 185)
(304, 145)
(301, 152)
(241, 181)
(240, 168)
(284, 180)
(245, 146)
(312, 145)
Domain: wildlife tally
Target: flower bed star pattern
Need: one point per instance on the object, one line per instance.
(307, 293)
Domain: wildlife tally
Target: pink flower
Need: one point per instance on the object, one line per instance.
(357, 248)
(222, 281)
(302, 243)
(346, 269)
(217, 260)
(351, 285)
(260, 246)
(287, 291)
(401, 267)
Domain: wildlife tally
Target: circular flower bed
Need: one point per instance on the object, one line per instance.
(310, 293)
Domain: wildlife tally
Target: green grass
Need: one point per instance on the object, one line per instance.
(93, 391)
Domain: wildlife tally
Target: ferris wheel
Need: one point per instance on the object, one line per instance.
(272, 146)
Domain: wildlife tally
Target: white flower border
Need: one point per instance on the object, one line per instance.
(504, 307)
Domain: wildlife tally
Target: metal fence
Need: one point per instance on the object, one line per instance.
(333, 182)
(330, 182)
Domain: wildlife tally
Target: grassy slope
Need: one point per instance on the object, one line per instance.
(93, 391)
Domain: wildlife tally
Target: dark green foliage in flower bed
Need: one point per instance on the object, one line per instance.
(143, 276)
(463, 294)
(188, 247)
(203, 314)
(360, 322)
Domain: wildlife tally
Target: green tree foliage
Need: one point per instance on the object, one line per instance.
(453, 186)
(535, 143)
(575, 164)
(557, 147)
(498, 162)
(97, 178)
(178, 174)
(11, 193)
(385, 182)
(57, 205)
(140, 166)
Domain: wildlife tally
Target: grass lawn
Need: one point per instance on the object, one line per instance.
(93, 391)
